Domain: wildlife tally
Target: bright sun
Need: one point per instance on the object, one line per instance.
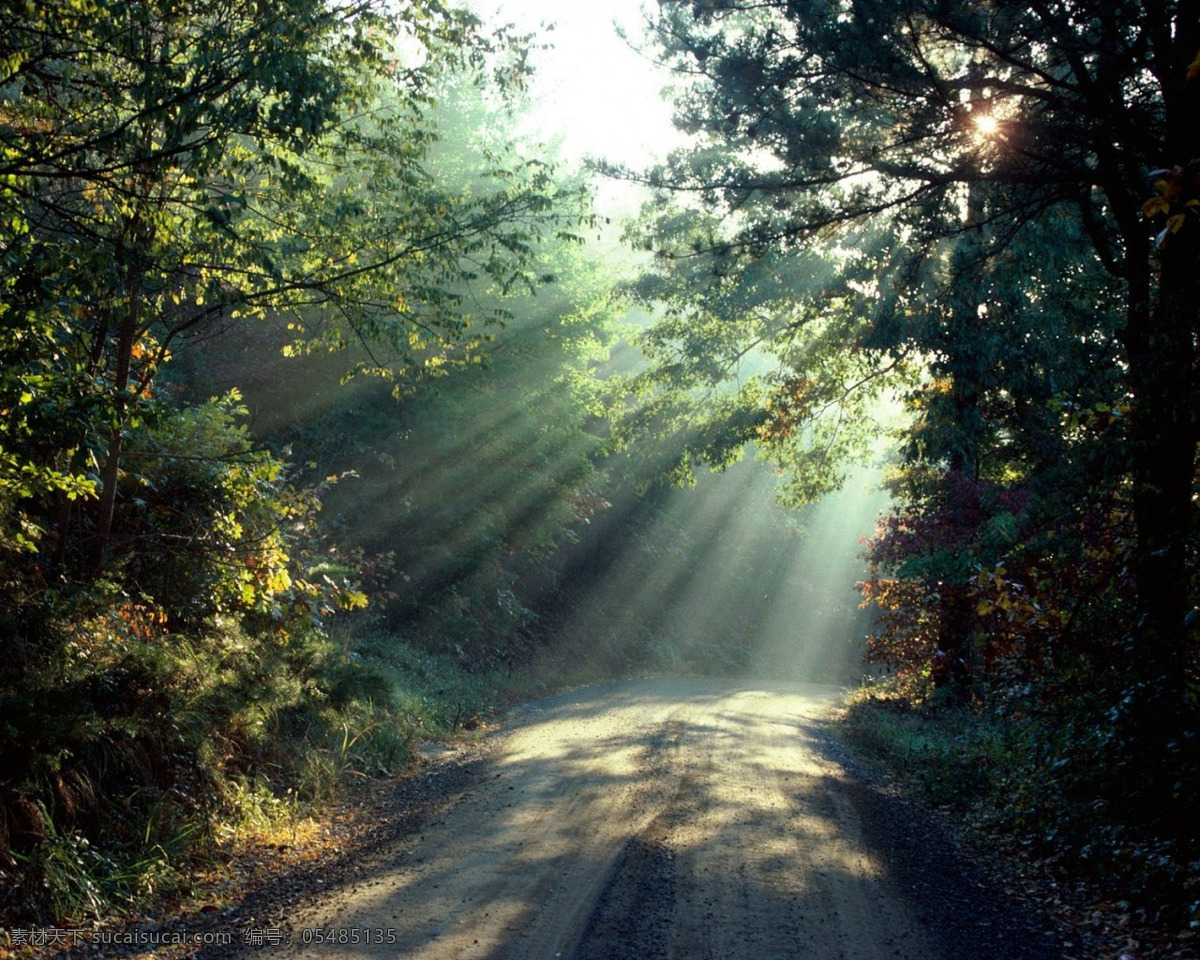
(590, 92)
(986, 125)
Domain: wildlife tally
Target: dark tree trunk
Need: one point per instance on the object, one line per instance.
(1160, 708)
(110, 471)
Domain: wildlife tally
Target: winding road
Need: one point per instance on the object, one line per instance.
(687, 819)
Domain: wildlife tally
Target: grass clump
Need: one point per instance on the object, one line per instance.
(1036, 766)
(948, 747)
(230, 736)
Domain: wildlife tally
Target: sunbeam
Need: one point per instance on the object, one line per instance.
(722, 580)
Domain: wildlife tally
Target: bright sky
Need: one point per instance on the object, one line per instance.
(592, 89)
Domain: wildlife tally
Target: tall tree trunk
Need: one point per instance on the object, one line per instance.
(110, 471)
(1162, 375)
(966, 361)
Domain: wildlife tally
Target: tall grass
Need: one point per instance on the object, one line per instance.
(240, 739)
(943, 746)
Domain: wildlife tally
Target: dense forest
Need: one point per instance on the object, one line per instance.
(334, 414)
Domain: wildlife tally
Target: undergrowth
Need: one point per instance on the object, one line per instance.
(946, 748)
(1032, 769)
(217, 739)
(236, 742)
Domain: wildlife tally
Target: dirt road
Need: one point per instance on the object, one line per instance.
(684, 819)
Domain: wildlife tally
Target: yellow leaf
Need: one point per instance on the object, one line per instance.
(1155, 206)
(352, 600)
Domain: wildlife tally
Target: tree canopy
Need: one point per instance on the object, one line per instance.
(995, 205)
(977, 221)
(171, 171)
(171, 168)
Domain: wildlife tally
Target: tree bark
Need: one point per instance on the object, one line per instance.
(1160, 340)
(110, 472)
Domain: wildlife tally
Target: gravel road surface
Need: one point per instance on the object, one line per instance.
(689, 819)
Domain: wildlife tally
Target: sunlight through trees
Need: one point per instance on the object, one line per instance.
(335, 413)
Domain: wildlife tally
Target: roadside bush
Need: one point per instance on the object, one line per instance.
(130, 704)
(951, 750)
(1040, 764)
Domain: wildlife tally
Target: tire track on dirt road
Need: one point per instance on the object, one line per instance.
(689, 819)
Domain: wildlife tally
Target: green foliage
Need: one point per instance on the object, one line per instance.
(68, 871)
(169, 172)
(1055, 792)
(235, 165)
(457, 491)
(898, 165)
(738, 352)
(953, 754)
(931, 192)
(127, 703)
